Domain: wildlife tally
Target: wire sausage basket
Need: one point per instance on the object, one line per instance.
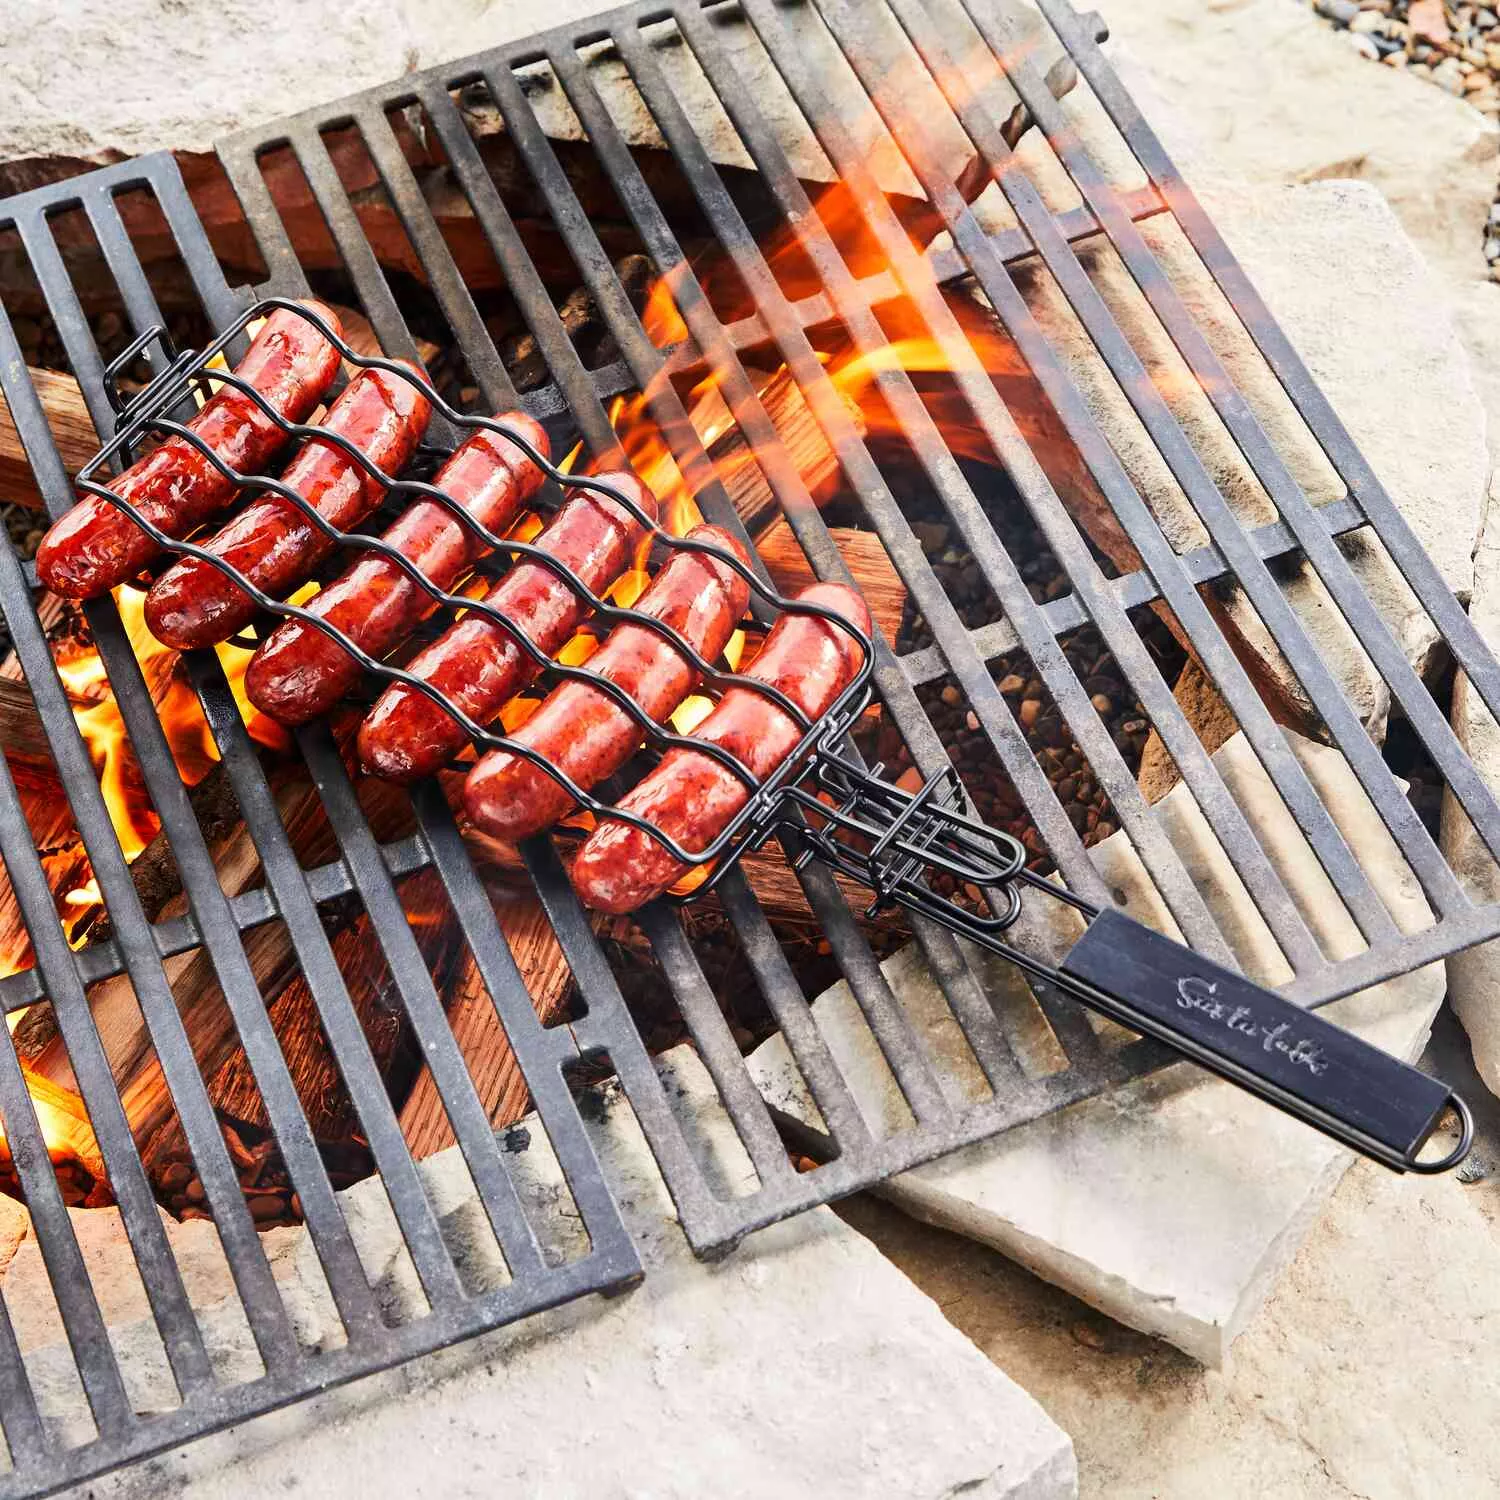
(821, 801)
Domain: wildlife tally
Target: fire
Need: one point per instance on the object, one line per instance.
(187, 733)
(64, 1123)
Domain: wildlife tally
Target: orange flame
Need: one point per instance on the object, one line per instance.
(187, 732)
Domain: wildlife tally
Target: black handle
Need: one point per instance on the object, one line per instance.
(892, 840)
(1290, 1057)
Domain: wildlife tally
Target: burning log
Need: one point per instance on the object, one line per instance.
(481, 1038)
(862, 552)
(801, 435)
(68, 416)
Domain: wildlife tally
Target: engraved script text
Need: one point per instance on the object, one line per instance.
(1201, 995)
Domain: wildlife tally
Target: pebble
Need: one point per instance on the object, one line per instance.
(1449, 75)
(1452, 44)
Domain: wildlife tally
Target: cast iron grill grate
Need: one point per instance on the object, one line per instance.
(859, 39)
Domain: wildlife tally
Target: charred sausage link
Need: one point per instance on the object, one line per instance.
(690, 796)
(477, 664)
(96, 546)
(373, 601)
(271, 542)
(582, 731)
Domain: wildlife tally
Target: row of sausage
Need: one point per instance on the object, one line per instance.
(299, 673)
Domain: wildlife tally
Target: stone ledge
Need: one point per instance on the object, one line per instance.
(1173, 1203)
(804, 1363)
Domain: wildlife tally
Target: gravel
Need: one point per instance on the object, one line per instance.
(1455, 46)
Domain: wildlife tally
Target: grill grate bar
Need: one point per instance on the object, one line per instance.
(644, 360)
(354, 249)
(902, 1050)
(1141, 527)
(200, 879)
(716, 1045)
(76, 1303)
(1202, 565)
(135, 942)
(509, 251)
(1331, 565)
(794, 1019)
(341, 1025)
(83, 1322)
(539, 1051)
(447, 283)
(19, 1417)
(180, 934)
(1188, 469)
(1472, 655)
(606, 1030)
(423, 1007)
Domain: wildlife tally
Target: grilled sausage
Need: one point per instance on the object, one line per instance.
(373, 601)
(270, 542)
(96, 546)
(476, 663)
(690, 796)
(579, 729)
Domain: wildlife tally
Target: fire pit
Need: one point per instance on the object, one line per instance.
(255, 977)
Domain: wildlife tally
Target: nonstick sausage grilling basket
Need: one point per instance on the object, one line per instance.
(821, 801)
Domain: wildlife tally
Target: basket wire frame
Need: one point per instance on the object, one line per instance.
(149, 412)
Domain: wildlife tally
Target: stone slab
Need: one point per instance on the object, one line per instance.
(97, 80)
(804, 1363)
(1173, 1203)
(1369, 1372)
(1474, 976)
(1263, 92)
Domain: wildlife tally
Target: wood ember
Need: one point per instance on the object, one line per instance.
(801, 435)
(476, 1027)
(68, 417)
(71, 1147)
(584, 324)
